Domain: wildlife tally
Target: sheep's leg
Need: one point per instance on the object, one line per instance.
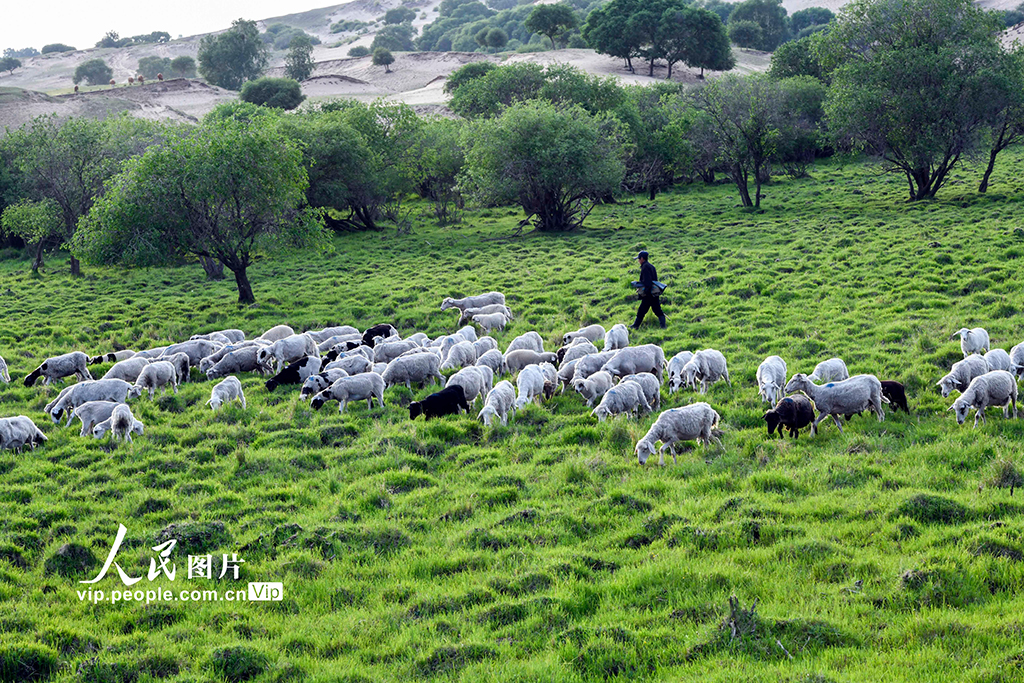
(341, 407)
(839, 423)
(980, 412)
(814, 425)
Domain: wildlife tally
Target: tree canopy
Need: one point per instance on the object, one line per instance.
(279, 93)
(299, 63)
(769, 15)
(552, 20)
(9, 64)
(183, 66)
(233, 57)
(93, 72)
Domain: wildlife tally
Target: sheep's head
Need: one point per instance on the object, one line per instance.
(487, 415)
(769, 390)
(774, 422)
(946, 385)
(100, 429)
(600, 412)
(960, 408)
(214, 402)
(134, 391)
(690, 372)
(318, 401)
(963, 333)
(138, 427)
(263, 355)
(448, 303)
(799, 382)
(415, 410)
(644, 449)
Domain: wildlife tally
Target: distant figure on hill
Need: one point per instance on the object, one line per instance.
(646, 291)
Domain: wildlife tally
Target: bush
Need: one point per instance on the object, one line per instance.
(151, 66)
(383, 57)
(93, 72)
(359, 51)
(467, 73)
(183, 66)
(280, 93)
(399, 15)
(56, 47)
(745, 33)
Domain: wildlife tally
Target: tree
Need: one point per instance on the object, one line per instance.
(486, 95)
(722, 9)
(20, 54)
(651, 25)
(233, 57)
(359, 51)
(396, 38)
(399, 15)
(9, 64)
(383, 57)
(918, 84)
(440, 157)
(697, 38)
(183, 66)
(93, 72)
(746, 34)
(112, 39)
(770, 15)
(37, 222)
(299, 62)
(608, 31)
(795, 58)
(56, 47)
(466, 73)
(1007, 127)
(149, 67)
(551, 20)
(812, 16)
(280, 93)
(229, 190)
(554, 162)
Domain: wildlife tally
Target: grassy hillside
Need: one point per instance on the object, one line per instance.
(541, 551)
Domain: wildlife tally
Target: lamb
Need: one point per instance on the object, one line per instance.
(287, 350)
(417, 369)
(295, 373)
(115, 390)
(972, 341)
(996, 388)
(531, 385)
(707, 367)
(489, 322)
(121, 424)
(499, 402)
(225, 391)
(449, 401)
(998, 359)
(197, 349)
(58, 367)
(675, 370)
(475, 380)
(591, 332)
(387, 352)
(18, 432)
(355, 364)
(831, 370)
(485, 344)
(154, 376)
(519, 359)
(314, 384)
(962, 374)
(647, 358)
(575, 350)
(329, 343)
(627, 397)
(1017, 358)
(382, 330)
(91, 413)
(277, 333)
(846, 397)
(588, 365)
(616, 338)
(478, 301)
(242, 360)
(113, 357)
(593, 387)
(694, 422)
(530, 341)
(233, 336)
(467, 332)
(365, 386)
(468, 313)
(771, 377)
(319, 336)
(793, 412)
(460, 355)
(651, 386)
(492, 359)
(896, 394)
(128, 370)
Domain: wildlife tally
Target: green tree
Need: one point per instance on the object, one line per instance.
(359, 51)
(722, 9)
(396, 38)
(56, 47)
(279, 93)
(9, 64)
(498, 88)
(770, 15)
(93, 72)
(439, 159)
(812, 16)
(36, 222)
(233, 57)
(552, 20)
(1007, 127)
(229, 190)
(917, 85)
(608, 31)
(149, 67)
(697, 38)
(383, 57)
(795, 58)
(183, 66)
(399, 15)
(554, 162)
(746, 34)
(112, 39)
(466, 73)
(299, 62)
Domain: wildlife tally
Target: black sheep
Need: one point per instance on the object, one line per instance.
(444, 402)
(295, 373)
(793, 412)
(383, 330)
(896, 394)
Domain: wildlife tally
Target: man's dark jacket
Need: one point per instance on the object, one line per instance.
(648, 275)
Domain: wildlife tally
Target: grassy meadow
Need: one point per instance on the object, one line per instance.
(542, 551)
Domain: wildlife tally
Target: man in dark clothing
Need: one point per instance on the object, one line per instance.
(648, 275)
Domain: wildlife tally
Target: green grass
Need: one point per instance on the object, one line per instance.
(541, 551)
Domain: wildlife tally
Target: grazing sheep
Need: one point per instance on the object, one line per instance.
(475, 380)
(277, 333)
(354, 365)
(550, 379)
(58, 367)
(419, 337)
(208, 362)
(154, 376)
(244, 359)
(388, 351)
(793, 412)
(485, 344)
(128, 370)
(846, 397)
(675, 370)
(225, 391)
(996, 388)
(314, 384)
(460, 355)
(627, 397)
(1017, 358)
(180, 361)
(379, 368)
(433, 350)
(629, 361)
(449, 401)
(320, 336)
(499, 402)
(492, 359)
(565, 374)
(962, 374)
(972, 341)
(295, 373)
(365, 386)
(467, 332)
(91, 413)
(197, 349)
(530, 341)
(896, 394)
(831, 370)
(381, 330)
(418, 369)
(707, 367)
(18, 432)
(115, 390)
(694, 422)
(377, 341)
(329, 343)
(580, 347)
(520, 358)
(5, 374)
(593, 387)
(998, 359)
(287, 350)
(590, 332)
(478, 301)
(771, 377)
(121, 424)
(616, 338)
(489, 322)
(367, 352)
(152, 354)
(588, 365)
(531, 385)
(113, 357)
(651, 386)
(468, 313)
(233, 336)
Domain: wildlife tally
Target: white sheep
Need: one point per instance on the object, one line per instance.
(675, 370)
(354, 365)
(591, 332)
(530, 341)
(91, 413)
(627, 397)
(531, 385)
(460, 355)
(197, 349)
(277, 333)
(520, 358)
(115, 390)
(566, 372)
(771, 378)
(287, 350)
(329, 343)
(972, 341)
(617, 337)
(475, 380)
(831, 370)
(379, 368)
(225, 391)
(388, 351)
(419, 337)
(996, 388)
(629, 361)
(593, 387)
(468, 313)
(467, 333)
(588, 365)
(650, 384)
(489, 322)
(846, 397)
(208, 362)
(18, 432)
(581, 346)
(121, 424)
(364, 386)
(233, 336)
(181, 364)
(241, 360)
(492, 359)
(314, 384)
(152, 353)
(418, 369)
(485, 344)
(550, 378)
(707, 366)
(154, 376)
(694, 422)
(1017, 358)
(499, 403)
(58, 367)
(477, 301)
(998, 359)
(319, 336)
(962, 374)
(128, 370)
(112, 357)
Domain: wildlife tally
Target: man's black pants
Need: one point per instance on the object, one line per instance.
(649, 302)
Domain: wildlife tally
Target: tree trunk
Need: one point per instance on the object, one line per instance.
(988, 171)
(651, 72)
(740, 179)
(757, 190)
(38, 262)
(653, 191)
(552, 39)
(245, 295)
(214, 268)
(76, 267)
(669, 77)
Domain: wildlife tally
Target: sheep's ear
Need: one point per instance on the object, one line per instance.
(952, 407)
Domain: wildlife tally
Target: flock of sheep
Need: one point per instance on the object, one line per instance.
(343, 364)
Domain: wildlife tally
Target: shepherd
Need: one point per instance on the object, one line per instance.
(649, 291)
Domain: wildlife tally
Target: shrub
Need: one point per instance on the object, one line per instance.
(280, 93)
(93, 72)
(359, 51)
(56, 47)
